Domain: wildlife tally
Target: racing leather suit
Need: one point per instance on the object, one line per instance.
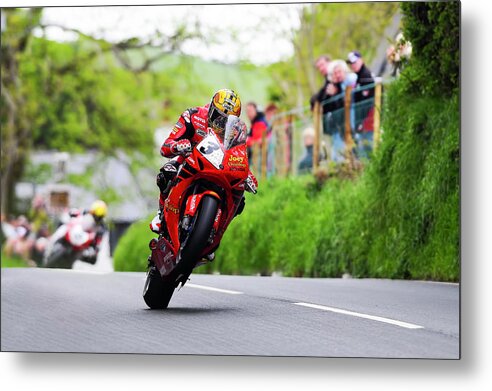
(192, 125)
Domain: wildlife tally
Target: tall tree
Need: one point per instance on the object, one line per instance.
(14, 112)
(89, 93)
(327, 28)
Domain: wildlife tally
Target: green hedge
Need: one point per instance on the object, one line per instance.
(433, 28)
(12, 261)
(132, 250)
(399, 219)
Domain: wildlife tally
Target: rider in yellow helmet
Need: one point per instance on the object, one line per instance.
(224, 103)
(98, 209)
(93, 220)
(191, 128)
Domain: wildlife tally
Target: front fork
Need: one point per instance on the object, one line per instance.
(191, 208)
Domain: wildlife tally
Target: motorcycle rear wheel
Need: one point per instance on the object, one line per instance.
(157, 293)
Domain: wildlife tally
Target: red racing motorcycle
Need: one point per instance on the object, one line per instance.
(208, 190)
(71, 241)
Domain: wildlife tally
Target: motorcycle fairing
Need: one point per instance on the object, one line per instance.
(163, 255)
(226, 170)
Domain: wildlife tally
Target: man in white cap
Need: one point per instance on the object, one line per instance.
(363, 116)
(364, 75)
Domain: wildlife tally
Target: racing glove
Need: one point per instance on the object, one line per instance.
(251, 184)
(182, 147)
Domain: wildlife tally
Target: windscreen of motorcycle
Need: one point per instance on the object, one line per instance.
(211, 149)
(235, 132)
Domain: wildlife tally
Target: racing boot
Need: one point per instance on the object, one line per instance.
(206, 259)
(165, 177)
(164, 181)
(156, 223)
(210, 257)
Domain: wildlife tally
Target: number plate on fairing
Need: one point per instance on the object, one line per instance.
(210, 148)
(163, 256)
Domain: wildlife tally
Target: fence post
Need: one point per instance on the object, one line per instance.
(349, 141)
(377, 114)
(256, 158)
(293, 146)
(264, 150)
(278, 147)
(280, 150)
(316, 122)
(285, 147)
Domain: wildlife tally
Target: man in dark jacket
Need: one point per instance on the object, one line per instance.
(322, 64)
(258, 126)
(364, 113)
(364, 75)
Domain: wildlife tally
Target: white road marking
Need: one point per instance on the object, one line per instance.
(72, 271)
(209, 288)
(439, 282)
(359, 315)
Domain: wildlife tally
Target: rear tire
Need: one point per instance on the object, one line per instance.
(157, 293)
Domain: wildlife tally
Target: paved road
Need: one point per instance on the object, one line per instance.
(83, 311)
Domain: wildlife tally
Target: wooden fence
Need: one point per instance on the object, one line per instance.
(281, 149)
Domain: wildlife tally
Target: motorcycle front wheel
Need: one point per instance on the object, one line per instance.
(58, 256)
(157, 292)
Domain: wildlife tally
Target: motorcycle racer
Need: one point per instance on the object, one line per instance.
(78, 237)
(189, 130)
(93, 220)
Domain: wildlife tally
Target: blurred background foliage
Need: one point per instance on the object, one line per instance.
(332, 29)
(89, 94)
(92, 94)
(398, 219)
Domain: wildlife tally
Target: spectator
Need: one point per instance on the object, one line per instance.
(364, 121)
(334, 122)
(22, 241)
(341, 76)
(306, 163)
(270, 112)
(364, 75)
(258, 126)
(41, 227)
(38, 214)
(322, 63)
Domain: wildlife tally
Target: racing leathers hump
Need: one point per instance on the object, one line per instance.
(192, 125)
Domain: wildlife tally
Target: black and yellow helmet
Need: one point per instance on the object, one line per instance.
(225, 102)
(98, 209)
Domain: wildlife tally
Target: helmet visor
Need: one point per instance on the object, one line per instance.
(217, 120)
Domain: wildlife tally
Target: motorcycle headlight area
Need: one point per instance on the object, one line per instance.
(78, 236)
(210, 148)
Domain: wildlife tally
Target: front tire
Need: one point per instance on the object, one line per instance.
(157, 291)
(198, 238)
(58, 256)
